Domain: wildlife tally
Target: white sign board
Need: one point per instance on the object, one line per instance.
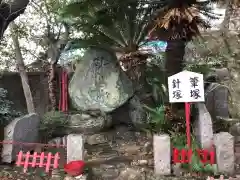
(186, 86)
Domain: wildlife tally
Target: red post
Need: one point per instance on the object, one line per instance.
(182, 156)
(206, 156)
(19, 158)
(212, 157)
(187, 114)
(26, 162)
(34, 162)
(48, 163)
(203, 155)
(63, 91)
(66, 91)
(41, 160)
(56, 162)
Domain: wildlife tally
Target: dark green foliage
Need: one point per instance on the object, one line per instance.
(156, 79)
(7, 114)
(53, 124)
(157, 122)
(199, 68)
(123, 25)
(9, 12)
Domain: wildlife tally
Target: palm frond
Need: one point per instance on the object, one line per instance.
(122, 25)
(126, 23)
(182, 19)
(76, 9)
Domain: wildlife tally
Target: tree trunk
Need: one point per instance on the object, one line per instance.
(225, 25)
(174, 63)
(52, 86)
(22, 71)
(228, 12)
(54, 54)
(9, 12)
(174, 57)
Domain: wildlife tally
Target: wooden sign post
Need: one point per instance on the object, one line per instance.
(186, 87)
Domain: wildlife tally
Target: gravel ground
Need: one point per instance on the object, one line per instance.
(16, 173)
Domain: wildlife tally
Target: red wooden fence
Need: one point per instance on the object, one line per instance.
(36, 159)
(185, 156)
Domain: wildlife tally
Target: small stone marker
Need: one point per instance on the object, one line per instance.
(204, 127)
(162, 154)
(217, 100)
(23, 129)
(75, 147)
(224, 143)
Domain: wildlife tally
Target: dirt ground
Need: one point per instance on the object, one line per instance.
(118, 151)
(16, 173)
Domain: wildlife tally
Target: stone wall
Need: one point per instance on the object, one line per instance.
(39, 86)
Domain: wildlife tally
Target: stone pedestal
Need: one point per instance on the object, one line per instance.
(162, 154)
(224, 143)
(203, 127)
(75, 147)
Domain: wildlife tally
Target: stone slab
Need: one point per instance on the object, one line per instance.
(162, 154)
(24, 130)
(75, 147)
(225, 157)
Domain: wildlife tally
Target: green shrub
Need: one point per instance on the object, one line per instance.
(7, 113)
(156, 79)
(157, 123)
(53, 123)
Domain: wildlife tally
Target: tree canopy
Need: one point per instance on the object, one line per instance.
(9, 11)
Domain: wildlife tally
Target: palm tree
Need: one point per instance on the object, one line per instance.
(120, 25)
(180, 21)
(125, 25)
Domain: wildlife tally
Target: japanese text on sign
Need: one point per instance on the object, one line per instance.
(194, 92)
(177, 94)
(186, 86)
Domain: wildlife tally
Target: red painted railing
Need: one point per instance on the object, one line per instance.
(36, 159)
(185, 156)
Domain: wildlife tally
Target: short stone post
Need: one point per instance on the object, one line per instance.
(224, 143)
(162, 154)
(75, 147)
(204, 127)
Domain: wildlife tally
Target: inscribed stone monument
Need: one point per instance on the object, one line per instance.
(98, 82)
(23, 129)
